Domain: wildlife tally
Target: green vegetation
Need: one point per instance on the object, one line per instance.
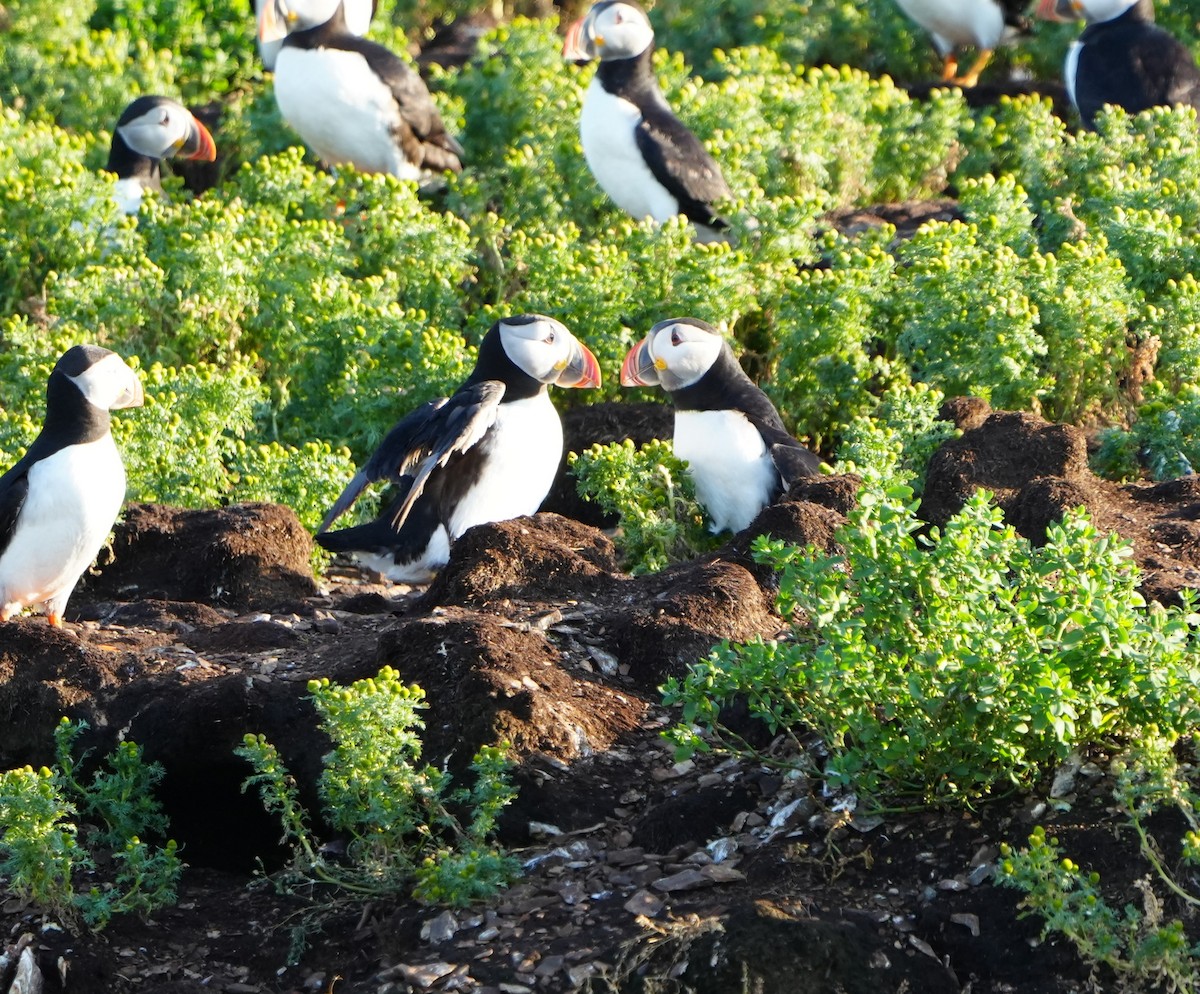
(55, 826)
(952, 666)
(650, 492)
(400, 822)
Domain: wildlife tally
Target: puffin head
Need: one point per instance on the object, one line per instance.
(1092, 11)
(674, 354)
(159, 128)
(612, 29)
(544, 349)
(101, 376)
(279, 18)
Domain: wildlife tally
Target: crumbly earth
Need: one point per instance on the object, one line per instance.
(715, 875)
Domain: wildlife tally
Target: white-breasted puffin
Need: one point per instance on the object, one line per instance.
(59, 501)
(359, 14)
(640, 153)
(487, 453)
(984, 24)
(351, 100)
(149, 130)
(739, 455)
(1123, 58)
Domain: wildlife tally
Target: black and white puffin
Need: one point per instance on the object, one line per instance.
(149, 130)
(359, 14)
(984, 24)
(1123, 58)
(59, 501)
(353, 101)
(487, 453)
(640, 153)
(739, 455)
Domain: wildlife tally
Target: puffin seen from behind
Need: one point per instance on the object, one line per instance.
(739, 455)
(59, 501)
(954, 23)
(640, 153)
(351, 100)
(1123, 58)
(359, 14)
(487, 453)
(149, 130)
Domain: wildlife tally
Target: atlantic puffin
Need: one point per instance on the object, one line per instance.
(640, 153)
(351, 100)
(487, 453)
(59, 501)
(1123, 58)
(359, 14)
(739, 455)
(954, 23)
(149, 130)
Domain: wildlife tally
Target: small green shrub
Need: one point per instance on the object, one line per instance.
(953, 666)
(1164, 440)
(396, 814)
(43, 855)
(659, 519)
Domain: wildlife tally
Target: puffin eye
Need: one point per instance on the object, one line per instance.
(676, 338)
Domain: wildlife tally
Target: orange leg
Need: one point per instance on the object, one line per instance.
(54, 619)
(949, 68)
(972, 76)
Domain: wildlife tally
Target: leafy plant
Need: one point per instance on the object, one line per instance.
(397, 815)
(1142, 950)
(40, 842)
(1165, 440)
(954, 665)
(650, 492)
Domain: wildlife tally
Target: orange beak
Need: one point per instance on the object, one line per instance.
(575, 49)
(271, 27)
(582, 370)
(1058, 10)
(199, 144)
(638, 369)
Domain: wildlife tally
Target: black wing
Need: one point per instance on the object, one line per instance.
(680, 163)
(422, 442)
(1150, 69)
(424, 138)
(14, 487)
(791, 458)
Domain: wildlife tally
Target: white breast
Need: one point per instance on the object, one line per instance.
(1071, 71)
(729, 464)
(524, 450)
(341, 109)
(74, 497)
(606, 131)
(958, 22)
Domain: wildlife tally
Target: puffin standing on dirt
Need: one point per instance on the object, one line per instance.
(739, 455)
(640, 153)
(359, 14)
(149, 130)
(1123, 58)
(487, 453)
(351, 100)
(954, 23)
(59, 501)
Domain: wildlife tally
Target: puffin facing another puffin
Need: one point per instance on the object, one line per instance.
(149, 130)
(351, 100)
(954, 23)
(641, 154)
(1123, 58)
(59, 501)
(487, 453)
(739, 455)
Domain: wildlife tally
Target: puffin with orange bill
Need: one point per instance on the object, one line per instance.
(149, 130)
(487, 453)
(985, 24)
(739, 455)
(1123, 58)
(353, 101)
(640, 153)
(59, 501)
